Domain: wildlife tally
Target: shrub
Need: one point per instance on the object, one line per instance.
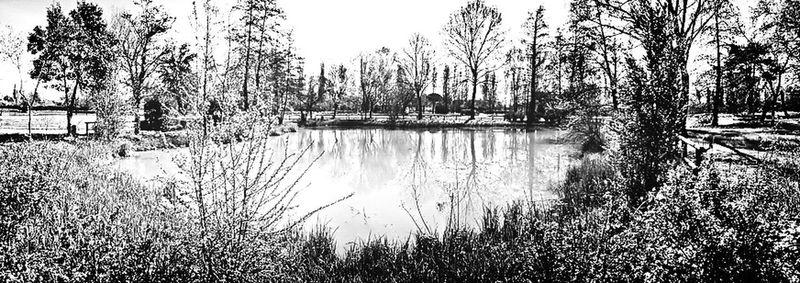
(154, 115)
(514, 116)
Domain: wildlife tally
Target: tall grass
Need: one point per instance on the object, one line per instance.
(68, 217)
(740, 228)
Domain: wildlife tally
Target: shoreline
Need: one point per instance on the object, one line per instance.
(423, 124)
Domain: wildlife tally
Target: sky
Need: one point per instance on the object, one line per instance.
(329, 31)
(326, 31)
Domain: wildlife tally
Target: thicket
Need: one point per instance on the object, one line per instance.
(718, 225)
(67, 216)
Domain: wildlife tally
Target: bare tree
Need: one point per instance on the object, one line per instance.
(12, 47)
(416, 63)
(204, 22)
(140, 50)
(474, 36)
(375, 74)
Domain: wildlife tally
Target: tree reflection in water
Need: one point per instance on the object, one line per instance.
(407, 181)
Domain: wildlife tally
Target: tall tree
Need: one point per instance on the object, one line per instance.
(257, 34)
(178, 77)
(474, 36)
(77, 49)
(658, 99)
(340, 80)
(268, 20)
(140, 49)
(663, 26)
(515, 63)
(375, 73)
(536, 30)
(204, 22)
(605, 43)
(12, 46)
(416, 64)
(725, 25)
(779, 23)
(744, 67)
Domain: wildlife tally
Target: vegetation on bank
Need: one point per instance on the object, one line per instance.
(433, 122)
(628, 213)
(67, 217)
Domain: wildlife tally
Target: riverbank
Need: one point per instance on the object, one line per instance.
(742, 231)
(426, 123)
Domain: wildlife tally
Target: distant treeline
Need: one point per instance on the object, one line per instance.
(22, 108)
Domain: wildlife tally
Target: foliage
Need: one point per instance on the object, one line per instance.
(77, 48)
(177, 78)
(155, 113)
(743, 69)
(375, 79)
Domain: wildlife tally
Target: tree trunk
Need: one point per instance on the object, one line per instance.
(137, 102)
(206, 57)
(534, 86)
(71, 108)
(245, 93)
(419, 105)
(30, 107)
(715, 104)
(474, 93)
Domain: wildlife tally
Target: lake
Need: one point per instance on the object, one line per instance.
(401, 177)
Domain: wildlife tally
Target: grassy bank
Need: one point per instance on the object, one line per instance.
(718, 226)
(68, 217)
(65, 221)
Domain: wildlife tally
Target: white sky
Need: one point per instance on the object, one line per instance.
(330, 31)
(325, 31)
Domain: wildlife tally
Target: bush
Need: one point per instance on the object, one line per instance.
(154, 115)
(698, 228)
(68, 217)
(514, 116)
(441, 109)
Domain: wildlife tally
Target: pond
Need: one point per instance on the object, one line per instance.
(407, 180)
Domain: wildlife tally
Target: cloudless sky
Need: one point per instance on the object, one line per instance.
(330, 31)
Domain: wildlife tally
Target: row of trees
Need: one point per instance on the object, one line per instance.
(743, 64)
(243, 60)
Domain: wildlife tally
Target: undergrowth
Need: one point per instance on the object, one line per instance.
(68, 218)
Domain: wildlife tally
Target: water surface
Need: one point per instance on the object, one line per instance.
(406, 180)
